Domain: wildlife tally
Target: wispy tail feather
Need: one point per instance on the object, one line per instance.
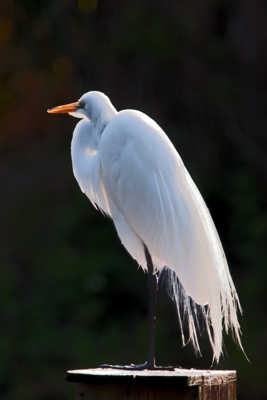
(221, 312)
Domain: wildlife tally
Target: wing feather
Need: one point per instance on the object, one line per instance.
(154, 196)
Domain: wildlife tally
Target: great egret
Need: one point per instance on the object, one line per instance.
(130, 170)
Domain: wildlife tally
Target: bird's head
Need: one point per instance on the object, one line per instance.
(91, 105)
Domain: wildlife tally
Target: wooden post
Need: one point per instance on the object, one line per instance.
(179, 384)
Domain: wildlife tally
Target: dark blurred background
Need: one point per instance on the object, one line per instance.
(70, 296)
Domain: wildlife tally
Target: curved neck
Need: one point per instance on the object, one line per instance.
(101, 119)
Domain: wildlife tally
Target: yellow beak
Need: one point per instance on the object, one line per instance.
(66, 108)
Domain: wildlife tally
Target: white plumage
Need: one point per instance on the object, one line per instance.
(129, 169)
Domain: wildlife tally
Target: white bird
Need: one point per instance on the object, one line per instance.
(129, 169)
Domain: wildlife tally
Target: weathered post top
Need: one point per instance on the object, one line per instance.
(178, 384)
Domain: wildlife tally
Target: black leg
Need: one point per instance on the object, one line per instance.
(152, 309)
(152, 318)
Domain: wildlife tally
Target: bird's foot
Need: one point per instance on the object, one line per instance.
(139, 367)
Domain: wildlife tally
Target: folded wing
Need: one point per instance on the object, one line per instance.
(153, 200)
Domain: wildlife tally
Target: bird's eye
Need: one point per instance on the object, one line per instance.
(81, 104)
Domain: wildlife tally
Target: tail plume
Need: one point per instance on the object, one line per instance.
(221, 312)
